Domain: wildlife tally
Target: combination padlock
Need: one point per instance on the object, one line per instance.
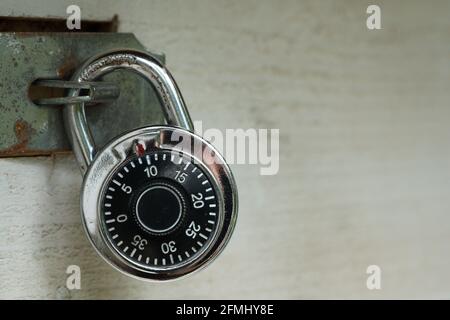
(152, 207)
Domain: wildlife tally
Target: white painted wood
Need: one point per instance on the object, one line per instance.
(365, 152)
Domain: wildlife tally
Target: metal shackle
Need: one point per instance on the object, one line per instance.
(143, 64)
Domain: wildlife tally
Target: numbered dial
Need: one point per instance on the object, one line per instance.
(160, 210)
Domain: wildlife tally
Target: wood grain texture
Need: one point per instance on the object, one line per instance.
(364, 153)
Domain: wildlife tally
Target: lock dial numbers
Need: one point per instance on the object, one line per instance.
(159, 210)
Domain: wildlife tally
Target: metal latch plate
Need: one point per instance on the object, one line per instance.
(27, 129)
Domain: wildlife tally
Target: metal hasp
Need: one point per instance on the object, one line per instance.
(27, 129)
(94, 92)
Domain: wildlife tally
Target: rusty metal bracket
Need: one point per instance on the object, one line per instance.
(27, 129)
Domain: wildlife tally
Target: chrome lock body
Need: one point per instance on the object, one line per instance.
(158, 202)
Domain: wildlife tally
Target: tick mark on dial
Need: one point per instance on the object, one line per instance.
(117, 182)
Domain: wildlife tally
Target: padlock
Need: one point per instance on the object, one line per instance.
(152, 206)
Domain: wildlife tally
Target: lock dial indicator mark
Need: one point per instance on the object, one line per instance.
(160, 210)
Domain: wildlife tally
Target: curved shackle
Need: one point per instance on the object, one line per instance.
(142, 63)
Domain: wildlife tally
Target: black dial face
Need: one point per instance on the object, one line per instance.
(160, 210)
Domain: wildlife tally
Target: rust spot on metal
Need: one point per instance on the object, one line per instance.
(24, 131)
(67, 68)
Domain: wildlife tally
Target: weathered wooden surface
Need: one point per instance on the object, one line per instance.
(364, 156)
